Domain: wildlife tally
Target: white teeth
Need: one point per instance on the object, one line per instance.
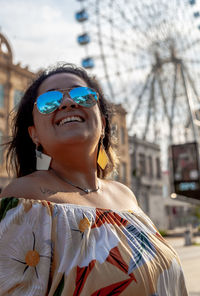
(71, 118)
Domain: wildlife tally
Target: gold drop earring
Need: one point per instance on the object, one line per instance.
(102, 159)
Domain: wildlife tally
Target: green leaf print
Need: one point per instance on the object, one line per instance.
(6, 204)
(60, 287)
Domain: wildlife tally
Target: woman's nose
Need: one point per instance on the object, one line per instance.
(67, 103)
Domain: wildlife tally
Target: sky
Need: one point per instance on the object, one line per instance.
(41, 32)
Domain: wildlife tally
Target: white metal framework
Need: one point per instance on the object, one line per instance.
(146, 54)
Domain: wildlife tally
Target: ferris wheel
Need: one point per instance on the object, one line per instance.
(146, 55)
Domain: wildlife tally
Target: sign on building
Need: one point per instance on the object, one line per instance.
(185, 170)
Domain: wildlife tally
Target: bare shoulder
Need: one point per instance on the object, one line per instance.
(121, 190)
(23, 187)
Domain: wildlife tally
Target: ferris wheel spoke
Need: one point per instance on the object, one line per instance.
(149, 108)
(187, 122)
(117, 27)
(163, 96)
(137, 28)
(123, 69)
(173, 104)
(123, 15)
(188, 101)
(127, 70)
(103, 56)
(130, 43)
(151, 26)
(192, 61)
(125, 44)
(189, 46)
(130, 93)
(154, 115)
(107, 20)
(134, 27)
(143, 32)
(191, 83)
(139, 100)
(117, 45)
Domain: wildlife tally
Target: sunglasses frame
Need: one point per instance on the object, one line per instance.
(65, 91)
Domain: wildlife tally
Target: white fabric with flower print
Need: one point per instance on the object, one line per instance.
(64, 249)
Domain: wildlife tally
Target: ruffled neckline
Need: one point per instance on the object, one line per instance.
(70, 205)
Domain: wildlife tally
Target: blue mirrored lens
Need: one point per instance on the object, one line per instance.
(84, 96)
(49, 101)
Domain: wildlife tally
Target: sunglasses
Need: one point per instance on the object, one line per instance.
(51, 100)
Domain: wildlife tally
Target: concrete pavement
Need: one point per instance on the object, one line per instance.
(190, 259)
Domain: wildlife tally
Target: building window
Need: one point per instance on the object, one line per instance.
(122, 135)
(142, 164)
(158, 170)
(150, 166)
(17, 96)
(144, 201)
(114, 131)
(123, 172)
(1, 96)
(1, 148)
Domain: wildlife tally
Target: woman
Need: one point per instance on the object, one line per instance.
(65, 229)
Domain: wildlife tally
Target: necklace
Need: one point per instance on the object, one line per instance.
(86, 190)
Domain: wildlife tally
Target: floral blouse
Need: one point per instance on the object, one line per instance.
(65, 249)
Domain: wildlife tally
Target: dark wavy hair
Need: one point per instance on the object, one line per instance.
(21, 159)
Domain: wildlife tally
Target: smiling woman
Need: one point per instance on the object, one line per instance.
(63, 225)
(42, 94)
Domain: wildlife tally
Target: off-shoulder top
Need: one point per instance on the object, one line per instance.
(64, 249)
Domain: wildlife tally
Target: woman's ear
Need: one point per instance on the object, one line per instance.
(33, 134)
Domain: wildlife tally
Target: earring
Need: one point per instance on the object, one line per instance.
(42, 160)
(102, 159)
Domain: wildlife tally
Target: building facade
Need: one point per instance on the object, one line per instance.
(13, 81)
(146, 179)
(178, 209)
(120, 133)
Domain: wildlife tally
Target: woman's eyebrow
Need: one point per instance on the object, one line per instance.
(57, 88)
(52, 89)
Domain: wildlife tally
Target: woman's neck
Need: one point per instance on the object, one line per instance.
(82, 173)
